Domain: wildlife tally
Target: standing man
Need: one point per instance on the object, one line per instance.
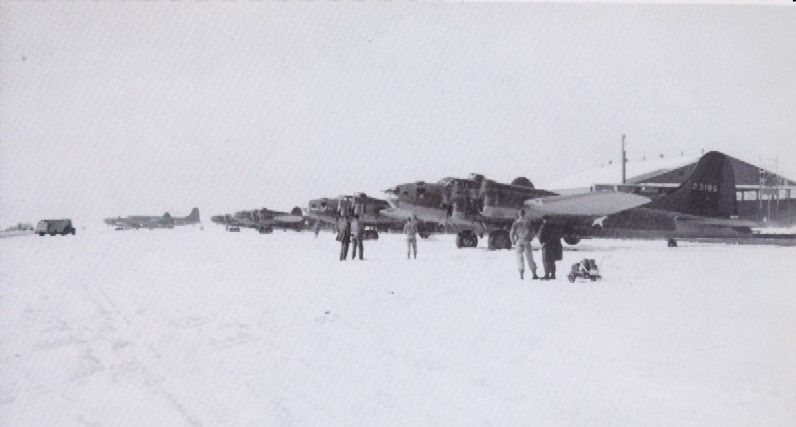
(316, 228)
(521, 236)
(552, 250)
(410, 229)
(357, 232)
(344, 236)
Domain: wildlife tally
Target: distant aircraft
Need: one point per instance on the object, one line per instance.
(702, 207)
(151, 222)
(371, 213)
(263, 220)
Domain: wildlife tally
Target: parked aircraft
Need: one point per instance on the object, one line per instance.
(702, 207)
(371, 213)
(150, 222)
(263, 220)
(476, 206)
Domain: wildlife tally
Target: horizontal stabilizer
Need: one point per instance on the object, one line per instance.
(717, 221)
(594, 204)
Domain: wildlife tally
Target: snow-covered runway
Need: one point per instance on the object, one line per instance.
(174, 327)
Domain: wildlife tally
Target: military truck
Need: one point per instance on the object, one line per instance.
(55, 226)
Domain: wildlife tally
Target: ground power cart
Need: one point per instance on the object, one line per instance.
(585, 269)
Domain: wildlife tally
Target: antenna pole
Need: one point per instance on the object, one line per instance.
(624, 160)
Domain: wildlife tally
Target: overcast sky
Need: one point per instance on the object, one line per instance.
(116, 109)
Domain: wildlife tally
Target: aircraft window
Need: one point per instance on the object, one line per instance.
(421, 193)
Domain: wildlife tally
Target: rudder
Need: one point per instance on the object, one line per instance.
(708, 192)
(193, 216)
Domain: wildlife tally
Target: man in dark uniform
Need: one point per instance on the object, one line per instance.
(344, 236)
(357, 234)
(552, 250)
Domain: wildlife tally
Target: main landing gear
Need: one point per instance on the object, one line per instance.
(466, 239)
(498, 239)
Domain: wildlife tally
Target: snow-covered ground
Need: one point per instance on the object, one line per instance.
(175, 327)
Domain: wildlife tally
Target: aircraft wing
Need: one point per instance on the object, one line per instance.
(289, 219)
(592, 205)
(321, 217)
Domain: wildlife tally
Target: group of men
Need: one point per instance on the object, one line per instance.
(523, 231)
(351, 232)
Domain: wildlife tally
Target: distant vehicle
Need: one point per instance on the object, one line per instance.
(55, 226)
(150, 222)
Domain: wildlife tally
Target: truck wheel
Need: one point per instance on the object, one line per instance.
(41, 233)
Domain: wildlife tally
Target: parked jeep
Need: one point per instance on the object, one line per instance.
(55, 226)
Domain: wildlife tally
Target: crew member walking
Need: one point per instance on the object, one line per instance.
(357, 232)
(410, 229)
(316, 228)
(552, 250)
(344, 236)
(521, 236)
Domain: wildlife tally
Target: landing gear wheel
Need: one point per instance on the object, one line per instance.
(671, 243)
(498, 239)
(371, 235)
(466, 239)
(423, 233)
(571, 240)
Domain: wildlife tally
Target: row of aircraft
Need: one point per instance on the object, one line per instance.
(703, 207)
(262, 220)
(136, 222)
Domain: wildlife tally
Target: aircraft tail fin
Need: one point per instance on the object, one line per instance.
(193, 216)
(708, 192)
